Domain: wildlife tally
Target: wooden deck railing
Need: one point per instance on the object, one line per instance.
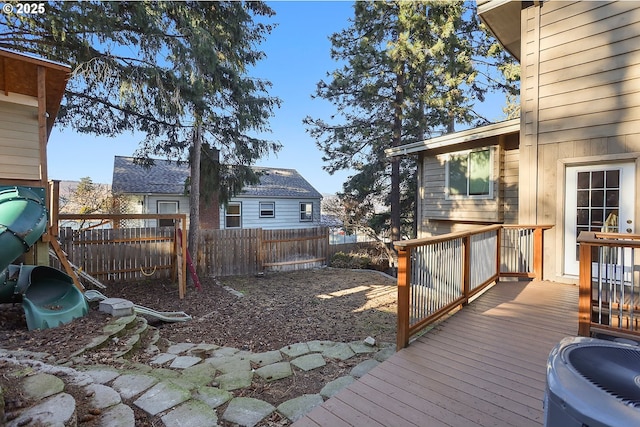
(438, 274)
(609, 284)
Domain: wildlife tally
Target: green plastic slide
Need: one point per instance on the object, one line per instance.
(48, 296)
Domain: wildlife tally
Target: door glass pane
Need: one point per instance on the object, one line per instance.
(597, 179)
(613, 179)
(583, 198)
(598, 201)
(583, 180)
(597, 198)
(597, 218)
(583, 217)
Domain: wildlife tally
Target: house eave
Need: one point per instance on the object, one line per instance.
(456, 138)
(502, 18)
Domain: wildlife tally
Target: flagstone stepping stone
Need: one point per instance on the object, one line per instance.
(235, 380)
(203, 350)
(360, 347)
(333, 387)
(130, 385)
(163, 358)
(161, 397)
(180, 348)
(191, 414)
(164, 373)
(116, 416)
(58, 410)
(362, 368)
(295, 409)
(199, 375)
(320, 346)
(228, 364)
(213, 396)
(295, 350)
(385, 353)
(266, 358)
(275, 371)
(309, 361)
(183, 362)
(102, 376)
(39, 386)
(225, 351)
(339, 351)
(246, 411)
(102, 396)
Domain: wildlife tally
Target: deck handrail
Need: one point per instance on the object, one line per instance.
(440, 273)
(609, 295)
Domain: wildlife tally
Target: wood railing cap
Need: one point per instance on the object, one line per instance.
(591, 238)
(411, 243)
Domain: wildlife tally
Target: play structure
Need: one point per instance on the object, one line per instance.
(48, 296)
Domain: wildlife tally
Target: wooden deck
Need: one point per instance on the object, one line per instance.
(483, 366)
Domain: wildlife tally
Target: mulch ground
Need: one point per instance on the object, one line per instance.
(275, 310)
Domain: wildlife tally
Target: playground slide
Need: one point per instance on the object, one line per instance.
(48, 296)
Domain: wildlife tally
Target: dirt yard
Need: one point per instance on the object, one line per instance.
(263, 313)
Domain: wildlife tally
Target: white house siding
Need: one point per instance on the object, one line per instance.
(150, 205)
(287, 213)
(19, 143)
(580, 102)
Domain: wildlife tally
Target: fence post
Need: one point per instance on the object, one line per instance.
(404, 282)
(584, 292)
(538, 243)
(466, 268)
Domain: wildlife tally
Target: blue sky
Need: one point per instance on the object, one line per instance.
(297, 58)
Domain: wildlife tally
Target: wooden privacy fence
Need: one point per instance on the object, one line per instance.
(438, 274)
(251, 251)
(125, 254)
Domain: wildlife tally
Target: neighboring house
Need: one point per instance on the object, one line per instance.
(283, 198)
(571, 160)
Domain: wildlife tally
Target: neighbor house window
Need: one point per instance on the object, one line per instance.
(232, 218)
(168, 207)
(267, 209)
(469, 174)
(306, 211)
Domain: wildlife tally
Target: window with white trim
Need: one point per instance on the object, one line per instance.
(233, 216)
(267, 209)
(306, 212)
(167, 207)
(468, 174)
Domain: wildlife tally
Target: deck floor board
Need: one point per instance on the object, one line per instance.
(483, 366)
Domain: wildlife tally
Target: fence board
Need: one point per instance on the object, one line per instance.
(139, 253)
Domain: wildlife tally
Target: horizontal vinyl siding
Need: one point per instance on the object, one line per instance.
(151, 206)
(287, 214)
(510, 186)
(589, 71)
(19, 145)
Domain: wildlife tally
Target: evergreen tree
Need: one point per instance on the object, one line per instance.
(411, 70)
(175, 72)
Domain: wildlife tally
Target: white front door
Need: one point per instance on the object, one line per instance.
(597, 196)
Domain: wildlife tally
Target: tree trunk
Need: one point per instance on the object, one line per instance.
(395, 160)
(194, 195)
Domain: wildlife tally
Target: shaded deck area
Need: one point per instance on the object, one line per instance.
(483, 366)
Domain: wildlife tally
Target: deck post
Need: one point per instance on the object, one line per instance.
(538, 247)
(466, 268)
(584, 293)
(404, 282)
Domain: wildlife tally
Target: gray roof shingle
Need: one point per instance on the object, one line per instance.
(168, 177)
